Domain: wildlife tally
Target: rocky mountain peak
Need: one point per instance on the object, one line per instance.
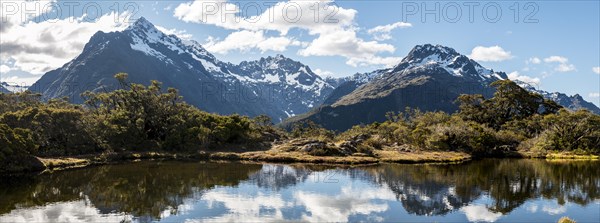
(278, 59)
(141, 24)
(430, 57)
(421, 52)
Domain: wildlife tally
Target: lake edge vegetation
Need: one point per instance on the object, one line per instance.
(138, 120)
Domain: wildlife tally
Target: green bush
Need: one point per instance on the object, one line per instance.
(16, 149)
(311, 130)
(570, 131)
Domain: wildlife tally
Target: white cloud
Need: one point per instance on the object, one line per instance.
(563, 67)
(335, 36)
(4, 68)
(594, 95)
(280, 17)
(345, 43)
(527, 79)
(490, 54)
(323, 73)
(557, 59)
(245, 40)
(596, 70)
(480, 213)
(563, 63)
(534, 60)
(375, 60)
(21, 81)
(383, 32)
(55, 41)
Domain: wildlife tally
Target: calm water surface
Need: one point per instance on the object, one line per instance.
(483, 191)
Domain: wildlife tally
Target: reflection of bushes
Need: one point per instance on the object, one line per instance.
(510, 183)
(142, 189)
(147, 189)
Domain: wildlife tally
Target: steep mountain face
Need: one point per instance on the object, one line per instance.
(147, 54)
(575, 102)
(346, 85)
(289, 85)
(429, 78)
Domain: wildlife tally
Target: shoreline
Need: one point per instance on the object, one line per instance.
(420, 157)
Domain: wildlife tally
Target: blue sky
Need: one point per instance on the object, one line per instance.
(553, 44)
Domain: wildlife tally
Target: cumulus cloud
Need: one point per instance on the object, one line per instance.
(594, 95)
(383, 32)
(323, 73)
(334, 36)
(376, 60)
(345, 43)
(596, 70)
(56, 41)
(534, 60)
(527, 79)
(4, 68)
(557, 59)
(563, 67)
(20, 80)
(490, 54)
(563, 63)
(281, 16)
(246, 40)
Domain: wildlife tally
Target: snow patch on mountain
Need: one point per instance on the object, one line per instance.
(425, 57)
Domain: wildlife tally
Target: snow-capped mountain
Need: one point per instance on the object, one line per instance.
(430, 78)
(145, 53)
(426, 57)
(574, 102)
(291, 85)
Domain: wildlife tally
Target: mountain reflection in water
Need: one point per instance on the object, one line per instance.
(486, 190)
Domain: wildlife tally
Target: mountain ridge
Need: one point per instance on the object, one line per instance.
(277, 86)
(429, 78)
(147, 54)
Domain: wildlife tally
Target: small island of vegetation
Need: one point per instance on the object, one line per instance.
(140, 121)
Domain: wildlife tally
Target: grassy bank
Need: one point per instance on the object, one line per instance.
(274, 155)
(270, 156)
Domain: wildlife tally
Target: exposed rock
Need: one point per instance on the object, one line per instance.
(404, 148)
(348, 147)
(311, 147)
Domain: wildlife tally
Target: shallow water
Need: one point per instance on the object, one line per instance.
(487, 190)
